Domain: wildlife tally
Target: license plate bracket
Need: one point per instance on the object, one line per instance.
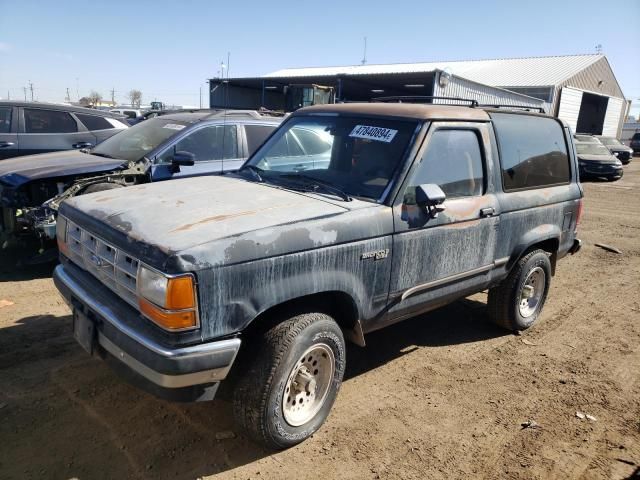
(84, 331)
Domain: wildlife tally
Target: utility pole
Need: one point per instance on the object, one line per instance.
(31, 88)
(364, 57)
(25, 93)
(8, 95)
(201, 96)
(113, 97)
(68, 97)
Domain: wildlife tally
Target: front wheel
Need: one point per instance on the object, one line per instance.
(516, 303)
(289, 387)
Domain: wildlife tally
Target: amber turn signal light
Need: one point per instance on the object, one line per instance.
(176, 320)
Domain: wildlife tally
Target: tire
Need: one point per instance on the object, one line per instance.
(262, 403)
(101, 187)
(505, 303)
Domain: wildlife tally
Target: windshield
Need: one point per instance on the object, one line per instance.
(586, 139)
(135, 142)
(592, 149)
(613, 142)
(357, 156)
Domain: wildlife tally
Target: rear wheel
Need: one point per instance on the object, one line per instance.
(516, 303)
(289, 386)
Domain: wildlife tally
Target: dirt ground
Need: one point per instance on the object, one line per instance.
(444, 395)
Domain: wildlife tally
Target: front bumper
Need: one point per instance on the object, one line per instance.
(189, 373)
(601, 170)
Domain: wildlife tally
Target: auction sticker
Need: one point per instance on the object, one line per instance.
(174, 126)
(379, 134)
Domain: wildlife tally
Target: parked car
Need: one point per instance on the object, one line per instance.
(596, 161)
(28, 128)
(262, 274)
(131, 114)
(617, 148)
(163, 148)
(635, 143)
(158, 113)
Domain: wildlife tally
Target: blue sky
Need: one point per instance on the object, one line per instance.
(168, 49)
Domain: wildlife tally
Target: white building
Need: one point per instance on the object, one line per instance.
(580, 89)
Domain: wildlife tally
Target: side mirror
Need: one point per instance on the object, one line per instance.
(430, 197)
(182, 158)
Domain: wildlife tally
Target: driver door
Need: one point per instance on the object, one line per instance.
(440, 257)
(215, 149)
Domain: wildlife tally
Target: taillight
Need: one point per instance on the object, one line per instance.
(580, 210)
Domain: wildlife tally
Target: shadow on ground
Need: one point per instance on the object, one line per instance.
(25, 263)
(97, 426)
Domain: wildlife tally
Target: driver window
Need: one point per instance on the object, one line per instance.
(209, 143)
(453, 161)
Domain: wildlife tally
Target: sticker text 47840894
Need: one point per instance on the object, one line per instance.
(379, 134)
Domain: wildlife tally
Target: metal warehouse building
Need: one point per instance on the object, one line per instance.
(581, 89)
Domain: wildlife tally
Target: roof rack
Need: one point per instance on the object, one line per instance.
(229, 112)
(424, 99)
(518, 107)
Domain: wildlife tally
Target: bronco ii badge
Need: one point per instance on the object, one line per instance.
(377, 255)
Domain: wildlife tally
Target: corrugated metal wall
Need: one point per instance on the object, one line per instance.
(612, 117)
(569, 109)
(463, 88)
(597, 78)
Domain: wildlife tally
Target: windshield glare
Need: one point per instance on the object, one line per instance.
(592, 149)
(356, 155)
(135, 142)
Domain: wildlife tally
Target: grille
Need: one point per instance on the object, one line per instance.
(110, 265)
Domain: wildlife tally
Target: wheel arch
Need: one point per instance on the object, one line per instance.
(339, 305)
(550, 243)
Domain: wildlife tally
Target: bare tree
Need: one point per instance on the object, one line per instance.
(94, 98)
(135, 96)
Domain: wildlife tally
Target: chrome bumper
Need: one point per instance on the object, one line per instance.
(169, 368)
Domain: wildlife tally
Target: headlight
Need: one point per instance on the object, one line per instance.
(169, 301)
(616, 153)
(61, 234)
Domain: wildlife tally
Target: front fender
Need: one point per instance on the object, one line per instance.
(236, 294)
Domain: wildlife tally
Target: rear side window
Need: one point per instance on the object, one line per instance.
(48, 121)
(256, 135)
(453, 161)
(93, 122)
(533, 151)
(5, 120)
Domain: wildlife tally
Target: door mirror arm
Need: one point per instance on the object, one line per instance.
(181, 158)
(430, 197)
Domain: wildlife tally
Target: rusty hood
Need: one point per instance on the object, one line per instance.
(178, 215)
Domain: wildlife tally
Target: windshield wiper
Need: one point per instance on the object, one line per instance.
(317, 184)
(254, 170)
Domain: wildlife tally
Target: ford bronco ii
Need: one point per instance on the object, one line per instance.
(259, 276)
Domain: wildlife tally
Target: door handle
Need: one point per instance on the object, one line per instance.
(82, 145)
(487, 212)
(6, 144)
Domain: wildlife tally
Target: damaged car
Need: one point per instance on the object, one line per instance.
(255, 279)
(163, 148)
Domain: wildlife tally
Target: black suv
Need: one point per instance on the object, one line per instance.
(27, 128)
(390, 210)
(635, 143)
